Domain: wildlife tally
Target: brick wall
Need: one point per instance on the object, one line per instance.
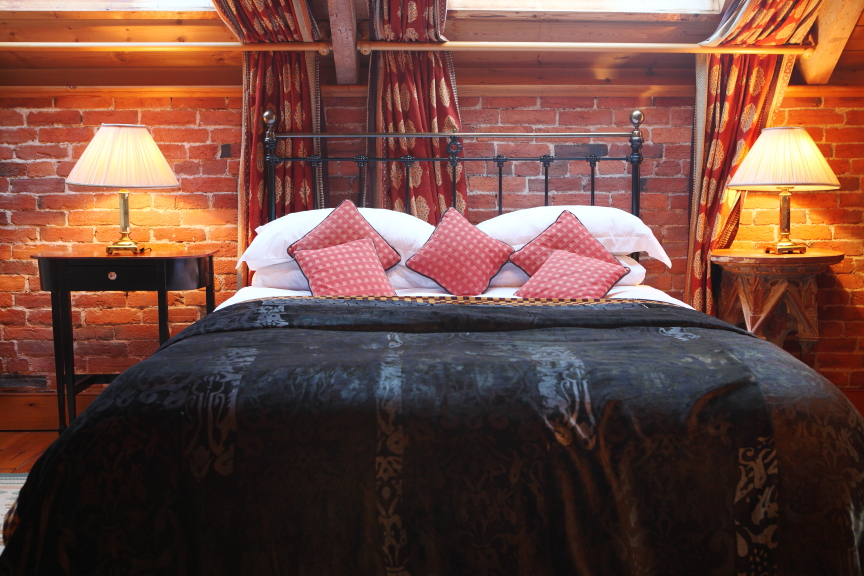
(40, 140)
(830, 220)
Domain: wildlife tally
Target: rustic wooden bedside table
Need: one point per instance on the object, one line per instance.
(756, 283)
(62, 272)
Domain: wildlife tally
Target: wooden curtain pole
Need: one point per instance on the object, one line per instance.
(368, 46)
(323, 48)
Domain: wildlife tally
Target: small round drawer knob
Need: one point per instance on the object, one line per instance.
(112, 275)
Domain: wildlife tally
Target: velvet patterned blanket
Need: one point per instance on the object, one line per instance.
(445, 437)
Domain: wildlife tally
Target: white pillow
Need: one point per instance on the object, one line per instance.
(620, 232)
(405, 233)
(513, 276)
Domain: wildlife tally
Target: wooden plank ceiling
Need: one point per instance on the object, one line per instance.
(345, 70)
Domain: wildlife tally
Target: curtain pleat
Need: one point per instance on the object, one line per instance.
(288, 84)
(736, 96)
(412, 92)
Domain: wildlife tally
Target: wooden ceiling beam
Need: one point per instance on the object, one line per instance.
(109, 15)
(343, 36)
(834, 26)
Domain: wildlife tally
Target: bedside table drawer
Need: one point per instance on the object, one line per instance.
(112, 276)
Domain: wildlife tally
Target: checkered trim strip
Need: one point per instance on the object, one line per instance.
(351, 269)
(459, 257)
(477, 300)
(566, 233)
(568, 275)
(346, 224)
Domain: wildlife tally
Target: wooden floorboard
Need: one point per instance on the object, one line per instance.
(20, 450)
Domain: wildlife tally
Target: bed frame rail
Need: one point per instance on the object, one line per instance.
(454, 151)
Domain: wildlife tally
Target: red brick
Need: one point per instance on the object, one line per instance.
(95, 118)
(197, 135)
(39, 152)
(843, 102)
(479, 117)
(84, 102)
(631, 102)
(198, 103)
(41, 218)
(229, 201)
(509, 102)
(208, 184)
(169, 117)
(855, 118)
(11, 118)
(226, 135)
(529, 117)
(38, 185)
(814, 117)
(173, 151)
(807, 102)
(40, 169)
(135, 103)
(17, 135)
(51, 234)
(47, 135)
(26, 102)
(563, 102)
(579, 118)
(112, 316)
(203, 151)
(208, 217)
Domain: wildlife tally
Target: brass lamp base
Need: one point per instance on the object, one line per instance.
(783, 248)
(786, 246)
(125, 243)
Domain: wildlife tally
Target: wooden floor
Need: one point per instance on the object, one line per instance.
(20, 450)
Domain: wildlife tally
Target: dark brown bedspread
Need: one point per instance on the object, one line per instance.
(397, 438)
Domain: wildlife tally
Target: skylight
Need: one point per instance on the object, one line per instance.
(647, 6)
(108, 5)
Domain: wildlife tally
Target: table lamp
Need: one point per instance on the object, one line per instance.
(784, 159)
(123, 156)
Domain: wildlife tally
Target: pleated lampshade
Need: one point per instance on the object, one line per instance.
(784, 157)
(122, 156)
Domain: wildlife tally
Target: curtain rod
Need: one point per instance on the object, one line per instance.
(367, 47)
(401, 135)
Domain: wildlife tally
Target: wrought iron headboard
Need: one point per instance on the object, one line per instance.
(454, 148)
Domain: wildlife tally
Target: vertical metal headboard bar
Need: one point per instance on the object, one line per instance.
(270, 163)
(362, 166)
(592, 160)
(500, 160)
(454, 147)
(636, 141)
(407, 160)
(547, 160)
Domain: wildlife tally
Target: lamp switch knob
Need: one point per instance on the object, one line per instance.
(112, 275)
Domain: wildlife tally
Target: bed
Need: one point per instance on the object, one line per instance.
(427, 433)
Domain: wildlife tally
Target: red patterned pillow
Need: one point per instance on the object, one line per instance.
(459, 257)
(566, 233)
(569, 275)
(351, 269)
(346, 224)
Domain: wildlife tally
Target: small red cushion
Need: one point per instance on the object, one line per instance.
(345, 224)
(568, 275)
(566, 233)
(459, 257)
(351, 269)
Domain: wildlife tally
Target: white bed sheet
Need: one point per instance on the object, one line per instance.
(640, 291)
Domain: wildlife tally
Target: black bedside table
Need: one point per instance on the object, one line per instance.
(62, 272)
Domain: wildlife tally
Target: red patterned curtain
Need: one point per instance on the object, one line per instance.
(286, 83)
(736, 97)
(414, 92)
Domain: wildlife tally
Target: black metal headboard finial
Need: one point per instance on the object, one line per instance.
(454, 150)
